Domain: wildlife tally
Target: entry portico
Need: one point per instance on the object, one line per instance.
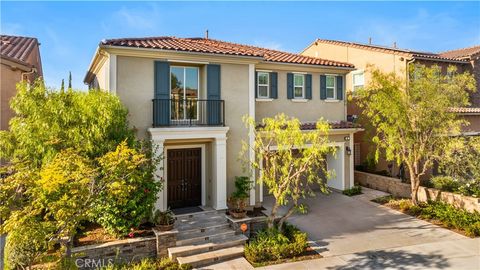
(213, 163)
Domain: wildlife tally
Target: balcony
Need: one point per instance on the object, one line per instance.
(188, 112)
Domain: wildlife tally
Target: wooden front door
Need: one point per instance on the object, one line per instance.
(184, 177)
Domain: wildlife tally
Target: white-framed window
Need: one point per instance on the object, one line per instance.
(331, 86)
(298, 86)
(358, 79)
(184, 92)
(263, 85)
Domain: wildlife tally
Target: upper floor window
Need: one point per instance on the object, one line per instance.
(263, 85)
(184, 86)
(358, 80)
(298, 86)
(331, 83)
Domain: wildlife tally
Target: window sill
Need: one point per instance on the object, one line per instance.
(264, 99)
(332, 100)
(299, 100)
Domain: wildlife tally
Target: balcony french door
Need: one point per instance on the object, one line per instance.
(184, 93)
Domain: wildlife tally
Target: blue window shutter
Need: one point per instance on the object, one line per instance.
(273, 85)
(214, 94)
(162, 94)
(256, 84)
(290, 85)
(323, 87)
(340, 87)
(308, 86)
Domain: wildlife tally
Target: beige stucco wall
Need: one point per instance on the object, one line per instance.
(135, 88)
(10, 75)
(309, 111)
(386, 62)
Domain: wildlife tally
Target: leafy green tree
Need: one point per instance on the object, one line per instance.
(412, 120)
(291, 161)
(128, 191)
(461, 159)
(48, 121)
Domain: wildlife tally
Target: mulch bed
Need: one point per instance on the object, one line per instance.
(94, 234)
(308, 254)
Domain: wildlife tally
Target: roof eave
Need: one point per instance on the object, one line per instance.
(440, 60)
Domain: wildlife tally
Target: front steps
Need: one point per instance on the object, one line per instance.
(205, 238)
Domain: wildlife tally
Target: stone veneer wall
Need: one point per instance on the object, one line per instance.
(125, 251)
(395, 187)
(121, 251)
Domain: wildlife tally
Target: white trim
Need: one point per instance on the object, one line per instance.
(357, 72)
(264, 70)
(203, 165)
(352, 161)
(188, 62)
(303, 86)
(299, 72)
(263, 99)
(178, 133)
(334, 87)
(251, 138)
(113, 74)
(331, 100)
(299, 100)
(259, 84)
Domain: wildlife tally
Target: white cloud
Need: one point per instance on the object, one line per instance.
(145, 18)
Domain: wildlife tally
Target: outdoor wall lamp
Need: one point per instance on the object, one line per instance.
(349, 151)
(346, 138)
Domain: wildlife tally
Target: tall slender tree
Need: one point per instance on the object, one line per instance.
(412, 120)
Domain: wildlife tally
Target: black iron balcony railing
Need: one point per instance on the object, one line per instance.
(188, 112)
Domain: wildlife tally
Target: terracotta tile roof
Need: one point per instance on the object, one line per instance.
(462, 53)
(202, 45)
(378, 48)
(16, 48)
(466, 110)
(333, 125)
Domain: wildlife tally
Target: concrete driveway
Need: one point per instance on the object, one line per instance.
(342, 225)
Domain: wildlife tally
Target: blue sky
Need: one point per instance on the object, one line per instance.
(70, 31)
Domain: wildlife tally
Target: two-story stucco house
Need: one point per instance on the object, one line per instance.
(394, 59)
(188, 95)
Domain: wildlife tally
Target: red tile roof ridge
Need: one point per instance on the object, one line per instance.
(460, 49)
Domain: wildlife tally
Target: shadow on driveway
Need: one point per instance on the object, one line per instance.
(399, 260)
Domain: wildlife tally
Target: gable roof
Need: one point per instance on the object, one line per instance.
(17, 48)
(213, 46)
(393, 50)
(463, 52)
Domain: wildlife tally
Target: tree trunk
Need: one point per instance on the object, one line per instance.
(284, 218)
(414, 184)
(271, 217)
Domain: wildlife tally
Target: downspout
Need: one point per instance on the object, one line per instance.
(406, 70)
(33, 70)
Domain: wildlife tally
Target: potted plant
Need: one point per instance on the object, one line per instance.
(164, 220)
(237, 202)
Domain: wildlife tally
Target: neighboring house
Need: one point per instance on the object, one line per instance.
(393, 59)
(20, 60)
(189, 96)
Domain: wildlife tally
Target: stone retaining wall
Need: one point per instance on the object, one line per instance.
(121, 251)
(125, 251)
(395, 187)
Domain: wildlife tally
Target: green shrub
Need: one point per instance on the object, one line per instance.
(271, 244)
(405, 204)
(445, 183)
(25, 243)
(355, 190)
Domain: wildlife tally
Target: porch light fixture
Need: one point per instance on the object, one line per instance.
(348, 150)
(346, 138)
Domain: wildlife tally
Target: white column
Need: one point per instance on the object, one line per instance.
(112, 74)
(251, 139)
(352, 160)
(160, 175)
(219, 187)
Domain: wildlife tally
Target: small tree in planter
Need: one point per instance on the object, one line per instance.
(238, 201)
(164, 220)
(293, 161)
